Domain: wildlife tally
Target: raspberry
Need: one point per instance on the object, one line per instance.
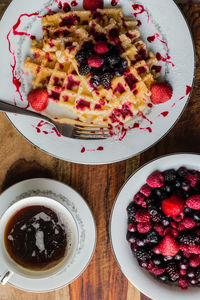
(139, 198)
(183, 272)
(132, 227)
(155, 180)
(183, 283)
(157, 271)
(171, 231)
(101, 47)
(195, 249)
(193, 201)
(159, 228)
(194, 261)
(145, 190)
(192, 178)
(183, 247)
(161, 92)
(144, 227)
(84, 69)
(38, 99)
(168, 246)
(95, 61)
(188, 222)
(142, 216)
(131, 210)
(150, 266)
(173, 206)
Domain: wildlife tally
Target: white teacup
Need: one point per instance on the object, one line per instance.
(12, 267)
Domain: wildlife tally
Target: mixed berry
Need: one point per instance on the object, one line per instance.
(164, 226)
(102, 61)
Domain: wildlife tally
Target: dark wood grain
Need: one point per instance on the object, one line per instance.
(99, 185)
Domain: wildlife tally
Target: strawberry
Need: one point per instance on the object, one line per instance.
(142, 215)
(101, 47)
(38, 99)
(173, 206)
(193, 202)
(95, 61)
(155, 180)
(168, 246)
(161, 92)
(92, 4)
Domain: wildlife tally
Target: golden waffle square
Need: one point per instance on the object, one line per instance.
(55, 68)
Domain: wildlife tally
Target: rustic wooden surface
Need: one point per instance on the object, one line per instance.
(99, 185)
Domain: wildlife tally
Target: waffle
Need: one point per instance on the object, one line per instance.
(54, 67)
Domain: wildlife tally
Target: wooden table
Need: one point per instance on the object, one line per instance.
(99, 185)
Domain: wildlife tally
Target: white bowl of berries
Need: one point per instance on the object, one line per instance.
(155, 228)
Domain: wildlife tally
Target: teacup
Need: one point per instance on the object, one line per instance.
(68, 224)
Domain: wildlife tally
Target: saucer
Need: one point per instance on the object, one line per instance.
(84, 221)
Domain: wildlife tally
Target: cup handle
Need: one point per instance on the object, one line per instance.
(5, 277)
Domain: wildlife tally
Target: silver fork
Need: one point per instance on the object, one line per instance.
(71, 128)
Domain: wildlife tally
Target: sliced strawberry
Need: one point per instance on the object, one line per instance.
(38, 99)
(92, 4)
(161, 92)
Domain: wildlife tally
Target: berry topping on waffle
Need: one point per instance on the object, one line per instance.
(94, 57)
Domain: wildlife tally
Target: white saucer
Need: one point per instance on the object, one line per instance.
(85, 223)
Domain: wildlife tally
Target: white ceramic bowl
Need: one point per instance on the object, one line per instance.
(139, 277)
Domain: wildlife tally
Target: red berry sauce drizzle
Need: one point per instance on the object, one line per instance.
(40, 128)
(14, 30)
(159, 57)
(138, 10)
(83, 150)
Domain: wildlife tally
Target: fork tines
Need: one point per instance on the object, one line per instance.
(88, 132)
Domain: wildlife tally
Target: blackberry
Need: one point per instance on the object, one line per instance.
(112, 58)
(182, 171)
(95, 82)
(170, 175)
(81, 56)
(157, 218)
(153, 210)
(196, 216)
(197, 273)
(188, 238)
(153, 237)
(119, 71)
(131, 210)
(84, 69)
(173, 271)
(106, 79)
(157, 259)
(96, 73)
(88, 46)
(143, 253)
(163, 277)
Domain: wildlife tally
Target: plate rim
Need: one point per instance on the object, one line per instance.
(100, 162)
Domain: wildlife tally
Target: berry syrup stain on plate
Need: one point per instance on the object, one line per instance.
(139, 9)
(100, 148)
(14, 30)
(159, 57)
(48, 129)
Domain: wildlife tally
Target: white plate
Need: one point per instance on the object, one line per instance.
(82, 216)
(140, 278)
(164, 18)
